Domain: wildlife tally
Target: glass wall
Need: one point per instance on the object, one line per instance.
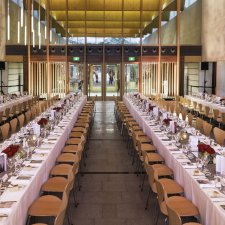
(113, 79)
(94, 80)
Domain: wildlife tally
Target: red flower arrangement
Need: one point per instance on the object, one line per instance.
(11, 150)
(57, 109)
(203, 148)
(167, 121)
(42, 122)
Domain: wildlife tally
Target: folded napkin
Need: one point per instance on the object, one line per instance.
(11, 196)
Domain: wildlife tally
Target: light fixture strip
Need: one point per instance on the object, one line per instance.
(8, 22)
(18, 23)
(22, 13)
(25, 29)
(32, 16)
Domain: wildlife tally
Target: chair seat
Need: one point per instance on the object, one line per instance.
(55, 184)
(72, 148)
(144, 139)
(61, 170)
(162, 170)
(171, 187)
(74, 141)
(47, 205)
(154, 158)
(182, 206)
(148, 148)
(67, 158)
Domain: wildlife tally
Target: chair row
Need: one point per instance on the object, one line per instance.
(147, 161)
(64, 177)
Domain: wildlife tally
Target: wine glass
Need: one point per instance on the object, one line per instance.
(11, 164)
(198, 164)
(217, 182)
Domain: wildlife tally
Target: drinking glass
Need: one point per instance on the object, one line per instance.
(217, 182)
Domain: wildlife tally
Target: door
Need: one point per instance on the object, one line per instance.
(95, 81)
(112, 80)
(131, 72)
(76, 77)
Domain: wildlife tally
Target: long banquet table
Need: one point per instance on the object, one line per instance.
(23, 198)
(206, 103)
(210, 211)
(13, 102)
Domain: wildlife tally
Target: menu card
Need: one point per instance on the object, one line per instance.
(156, 111)
(173, 126)
(37, 129)
(220, 164)
(193, 140)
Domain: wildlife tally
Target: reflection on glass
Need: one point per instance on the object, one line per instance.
(95, 40)
(95, 79)
(112, 80)
(131, 78)
(76, 77)
(76, 40)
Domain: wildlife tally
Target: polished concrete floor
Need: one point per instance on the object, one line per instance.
(110, 193)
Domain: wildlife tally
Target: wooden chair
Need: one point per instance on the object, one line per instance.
(5, 116)
(28, 116)
(200, 109)
(207, 128)
(33, 112)
(222, 119)
(5, 131)
(219, 136)
(49, 206)
(1, 115)
(184, 114)
(175, 219)
(190, 119)
(199, 124)
(21, 119)
(19, 108)
(185, 207)
(13, 112)
(13, 125)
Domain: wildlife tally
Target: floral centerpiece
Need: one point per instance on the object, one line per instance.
(167, 121)
(42, 122)
(204, 149)
(11, 150)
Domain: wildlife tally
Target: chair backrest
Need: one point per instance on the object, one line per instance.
(216, 113)
(33, 112)
(195, 105)
(207, 128)
(219, 135)
(160, 192)
(223, 117)
(28, 116)
(5, 131)
(207, 109)
(174, 218)
(13, 124)
(21, 119)
(199, 123)
(1, 114)
(200, 107)
(7, 111)
(151, 179)
(60, 217)
(13, 110)
(184, 114)
(190, 118)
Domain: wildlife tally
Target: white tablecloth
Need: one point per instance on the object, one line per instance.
(13, 102)
(205, 103)
(18, 214)
(211, 213)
